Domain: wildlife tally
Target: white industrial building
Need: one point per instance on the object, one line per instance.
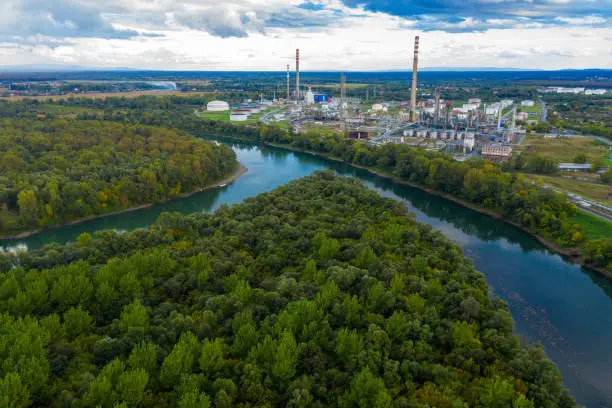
(595, 92)
(570, 90)
(238, 117)
(309, 98)
(574, 167)
(493, 109)
(467, 107)
(475, 100)
(468, 142)
(379, 107)
(522, 116)
(506, 102)
(527, 103)
(217, 106)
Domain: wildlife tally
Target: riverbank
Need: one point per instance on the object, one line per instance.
(573, 255)
(238, 172)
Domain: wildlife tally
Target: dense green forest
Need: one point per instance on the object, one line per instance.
(57, 171)
(318, 294)
(502, 190)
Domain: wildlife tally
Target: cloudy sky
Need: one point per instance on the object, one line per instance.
(331, 34)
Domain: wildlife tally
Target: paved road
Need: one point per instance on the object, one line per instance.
(600, 215)
(544, 114)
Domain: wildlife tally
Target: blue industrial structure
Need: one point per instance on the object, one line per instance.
(321, 98)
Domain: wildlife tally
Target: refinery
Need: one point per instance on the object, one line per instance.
(466, 130)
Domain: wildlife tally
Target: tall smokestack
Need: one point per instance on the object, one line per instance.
(297, 74)
(288, 83)
(437, 107)
(415, 67)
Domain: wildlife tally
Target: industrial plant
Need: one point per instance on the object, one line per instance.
(467, 130)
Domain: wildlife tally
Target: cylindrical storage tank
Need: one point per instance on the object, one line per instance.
(217, 106)
(469, 135)
(422, 133)
(460, 135)
(443, 135)
(238, 117)
(433, 134)
(452, 135)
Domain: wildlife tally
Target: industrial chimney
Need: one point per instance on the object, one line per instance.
(415, 67)
(297, 74)
(288, 84)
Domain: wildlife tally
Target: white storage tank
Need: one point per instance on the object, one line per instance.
(433, 134)
(238, 117)
(217, 106)
(422, 133)
(443, 135)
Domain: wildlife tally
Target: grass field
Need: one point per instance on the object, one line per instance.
(564, 149)
(221, 116)
(537, 109)
(593, 191)
(66, 110)
(104, 95)
(225, 117)
(594, 227)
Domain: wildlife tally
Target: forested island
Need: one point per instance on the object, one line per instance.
(318, 294)
(56, 171)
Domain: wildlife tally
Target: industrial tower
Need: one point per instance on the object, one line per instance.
(437, 106)
(415, 67)
(342, 92)
(288, 84)
(297, 75)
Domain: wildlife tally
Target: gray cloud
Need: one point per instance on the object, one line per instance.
(480, 15)
(240, 18)
(29, 21)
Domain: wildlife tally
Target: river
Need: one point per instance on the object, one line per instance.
(564, 306)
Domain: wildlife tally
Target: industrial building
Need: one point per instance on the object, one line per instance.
(522, 116)
(574, 167)
(309, 97)
(321, 98)
(527, 103)
(238, 116)
(360, 134)
(595, 92)
(217, 106)
(496, 152)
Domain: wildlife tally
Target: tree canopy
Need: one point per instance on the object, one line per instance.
(57, 171)
(318, 294)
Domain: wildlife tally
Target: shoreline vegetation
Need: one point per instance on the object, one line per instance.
(238, 172)
(56, 171)
(572, 254)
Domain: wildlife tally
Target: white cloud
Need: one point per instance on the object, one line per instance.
(263, 34)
